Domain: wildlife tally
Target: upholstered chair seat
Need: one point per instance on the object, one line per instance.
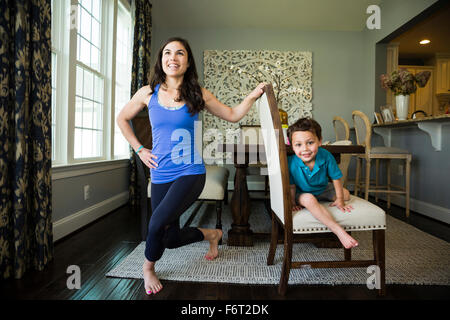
(215, 185)
(364, 216)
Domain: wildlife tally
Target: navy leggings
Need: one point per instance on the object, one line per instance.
(169, 201)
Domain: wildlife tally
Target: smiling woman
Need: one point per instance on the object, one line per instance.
(174, 100)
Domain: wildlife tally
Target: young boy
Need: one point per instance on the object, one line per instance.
(309, 169)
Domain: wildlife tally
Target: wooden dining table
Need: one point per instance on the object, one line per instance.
(240, 233)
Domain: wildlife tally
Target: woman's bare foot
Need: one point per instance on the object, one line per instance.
(347, 240)
(151, 281)
(213, 236)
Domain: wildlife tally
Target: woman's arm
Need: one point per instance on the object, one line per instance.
(128, 112)
(236, 113)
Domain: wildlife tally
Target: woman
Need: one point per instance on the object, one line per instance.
(174, 99)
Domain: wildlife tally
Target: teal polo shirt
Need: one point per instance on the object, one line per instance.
(315, 181)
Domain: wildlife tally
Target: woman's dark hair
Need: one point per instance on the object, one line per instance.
(305, 124)
(190, 90)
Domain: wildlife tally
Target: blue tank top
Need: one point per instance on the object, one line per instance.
(173, 141)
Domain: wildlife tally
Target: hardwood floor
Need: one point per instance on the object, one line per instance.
(101, 245)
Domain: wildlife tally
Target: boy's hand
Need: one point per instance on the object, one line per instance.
(340, 204)
(296, 207)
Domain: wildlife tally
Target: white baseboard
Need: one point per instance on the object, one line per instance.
(67, 225)
(425, 208)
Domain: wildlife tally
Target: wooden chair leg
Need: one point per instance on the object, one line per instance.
(286, 268)
(377, 171)
(266, 185)
(367, 183)
(407, 182)
(273, 240)
(378, 237)
(388, 173)
(358, 173)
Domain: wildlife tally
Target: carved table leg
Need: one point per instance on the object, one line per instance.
(240, 233)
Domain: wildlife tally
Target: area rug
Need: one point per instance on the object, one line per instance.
(413, 257)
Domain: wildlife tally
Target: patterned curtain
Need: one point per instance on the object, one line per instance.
(26, 239)
(139, 72)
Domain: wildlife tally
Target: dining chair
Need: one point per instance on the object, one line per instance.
(301, 225)
(363, 129)
(251, 134)
(341, 128)
(342, 132)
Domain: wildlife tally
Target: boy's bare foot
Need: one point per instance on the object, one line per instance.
(347, 240)
(213, 239)
(151, 281)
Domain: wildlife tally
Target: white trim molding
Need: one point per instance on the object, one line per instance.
(67, 225)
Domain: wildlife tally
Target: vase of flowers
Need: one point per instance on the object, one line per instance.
(402, 83)
(402, 106)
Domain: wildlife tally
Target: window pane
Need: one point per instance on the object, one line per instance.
(79, 91)
(97, 116)
(98, 89)
(95, 33)
(77, 147)
(87, 4)
(78, 112)
(95, 61)
(88, 85)
(85, 51)
(85, 24)
(86, 139)
(87, 113)
(96, 9)
(97, 152)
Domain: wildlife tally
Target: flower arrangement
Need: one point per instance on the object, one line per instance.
(402, 82)
(277, 77)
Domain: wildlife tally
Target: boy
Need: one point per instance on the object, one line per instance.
(309, 169)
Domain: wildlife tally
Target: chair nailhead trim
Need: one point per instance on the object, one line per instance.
(346, 228)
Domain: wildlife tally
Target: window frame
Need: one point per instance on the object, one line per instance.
(64, 44)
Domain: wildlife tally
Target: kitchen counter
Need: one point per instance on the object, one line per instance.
(431, 125)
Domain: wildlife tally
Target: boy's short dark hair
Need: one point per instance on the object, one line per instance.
(305, 124)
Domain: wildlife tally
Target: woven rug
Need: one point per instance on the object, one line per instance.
(412, 257)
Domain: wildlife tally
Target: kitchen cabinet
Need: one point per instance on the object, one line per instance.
(443, 75)
(423, 98)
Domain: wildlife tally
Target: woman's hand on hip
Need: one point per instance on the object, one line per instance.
(147, 158)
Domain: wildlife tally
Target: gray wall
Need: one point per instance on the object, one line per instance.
(336, 58)
(108, 183)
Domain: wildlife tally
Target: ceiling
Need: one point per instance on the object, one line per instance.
(337, 15)
(435, 28)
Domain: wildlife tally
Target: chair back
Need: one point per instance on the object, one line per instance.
(276, 156)
(363, 129)
(341, 128)
(251, 134)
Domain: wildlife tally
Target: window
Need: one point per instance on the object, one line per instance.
(123, 74)
(86, 92)
(89, 83)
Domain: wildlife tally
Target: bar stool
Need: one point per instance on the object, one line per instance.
(342, 131)
(363, 129)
